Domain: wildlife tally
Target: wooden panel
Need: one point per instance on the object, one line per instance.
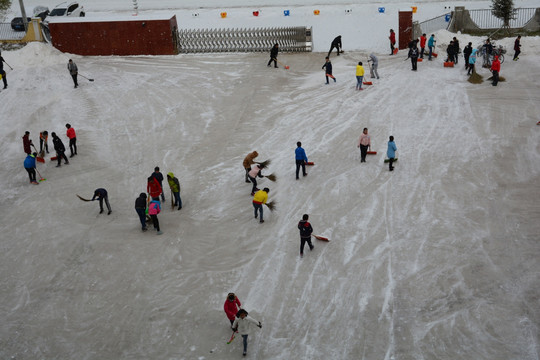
(405, 29)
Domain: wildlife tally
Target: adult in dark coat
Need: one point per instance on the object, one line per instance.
(27, 143)
(140, 208)
(450, 51)
(467, 51)
(413, 55)
(273, 55)
(60, 150)
(2, 72)
(101, 194)
(336, 44)
(305, 233)
(456, 49)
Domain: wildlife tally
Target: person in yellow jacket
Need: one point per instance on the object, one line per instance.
(260, 198)
(359, 76)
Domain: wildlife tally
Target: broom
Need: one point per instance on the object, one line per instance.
(263, 164)
(41, 178)
(271, 205)
(271, 177)
(475, 78)
(501, 78)
(83, 199)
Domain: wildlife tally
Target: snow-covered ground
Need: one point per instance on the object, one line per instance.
(436, 260)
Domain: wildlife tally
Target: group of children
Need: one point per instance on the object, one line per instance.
(31, 156)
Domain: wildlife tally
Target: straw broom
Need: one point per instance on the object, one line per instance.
(271, 205)
(271, 177)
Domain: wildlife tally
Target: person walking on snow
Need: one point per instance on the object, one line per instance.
(305, 234)
(467, 51)
(359, 75)
(336, 44)
(159, 177)
(140, 208)
(73, 71)
(70, 133)
(60, 150)
(391, 153)
(154, 208)
(231, 307)
(2, 71)
(472, 62)
(153, 188)
(273, 55)
(174, 184)
(30, 166)
(248, 161)
(364, 143)
(328, 66)
(43, 137)
(517, 48)
(495, 69)
(102, 195)
(27, 143)
(242, 324)
(260, 198)
(252, 175)
(431, 44)
(413, 55)
(423, 40)
(392, 38)
(450, 51)
(374, 64)
(301, 159)
(457, 49)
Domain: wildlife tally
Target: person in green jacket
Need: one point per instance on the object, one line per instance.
(174, 184)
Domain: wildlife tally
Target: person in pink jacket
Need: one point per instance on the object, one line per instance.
(72, 140)
(364, 143)
(252, 176)
(154, 208)
(231, 306)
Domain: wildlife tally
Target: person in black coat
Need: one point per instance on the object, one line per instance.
(450, 51)
(467, 50)
(413, 55)
(336, 44)
(328, 70)
(2, 72)
(456, 49)
(159, 177)
(60, 149)
(273, 55)
(140, 208)
(101, 194)
(305, 233)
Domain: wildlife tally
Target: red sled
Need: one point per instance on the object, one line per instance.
(367, 83)
(448, 64)
(395, 51)
(372, 153)
(320, 238)
(310, 163)
(420, 59)
(54, 158)
(434, 54)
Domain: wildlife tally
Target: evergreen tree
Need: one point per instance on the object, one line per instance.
(504, 10)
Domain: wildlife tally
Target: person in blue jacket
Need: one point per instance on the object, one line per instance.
(472, 62)
(391, 152)
(30, 166)
(431, 44)
(301, 160)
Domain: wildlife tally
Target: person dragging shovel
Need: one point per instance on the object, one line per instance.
(73, 71)
(273, 55)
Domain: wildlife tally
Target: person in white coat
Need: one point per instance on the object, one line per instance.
(242, 323)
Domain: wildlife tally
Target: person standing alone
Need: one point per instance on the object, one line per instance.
(305, 234)
(359, 75)
(273, 55)
(391, 153)
(301, 160)
(73, 71)
(336, 44)
(70, 133)
(2, 71)
(517, 48)
(392, 38)
(364, 143)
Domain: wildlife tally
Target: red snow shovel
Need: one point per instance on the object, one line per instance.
(367, 83)
(282, 64)
(310, 163)
(39, 157)
(320, 238)
(372, 153)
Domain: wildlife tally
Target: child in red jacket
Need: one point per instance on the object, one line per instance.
(231, 306)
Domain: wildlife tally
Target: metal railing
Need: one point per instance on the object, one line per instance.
(291, 39)
(438, 23)
(7, 33)
(485, 19)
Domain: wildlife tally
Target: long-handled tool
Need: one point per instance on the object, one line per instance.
(39, 158)
(282, 64)
(86, 77)
(172, 202)
(41, 178)
(232, 337)
(83, 199)
(8, 64)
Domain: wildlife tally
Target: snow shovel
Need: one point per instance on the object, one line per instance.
(322, 238)
(86, 77)
(282, 64)
(172, 202)
(39, 158)
(8, 65)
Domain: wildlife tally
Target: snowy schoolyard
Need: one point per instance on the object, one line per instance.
(435, 260)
